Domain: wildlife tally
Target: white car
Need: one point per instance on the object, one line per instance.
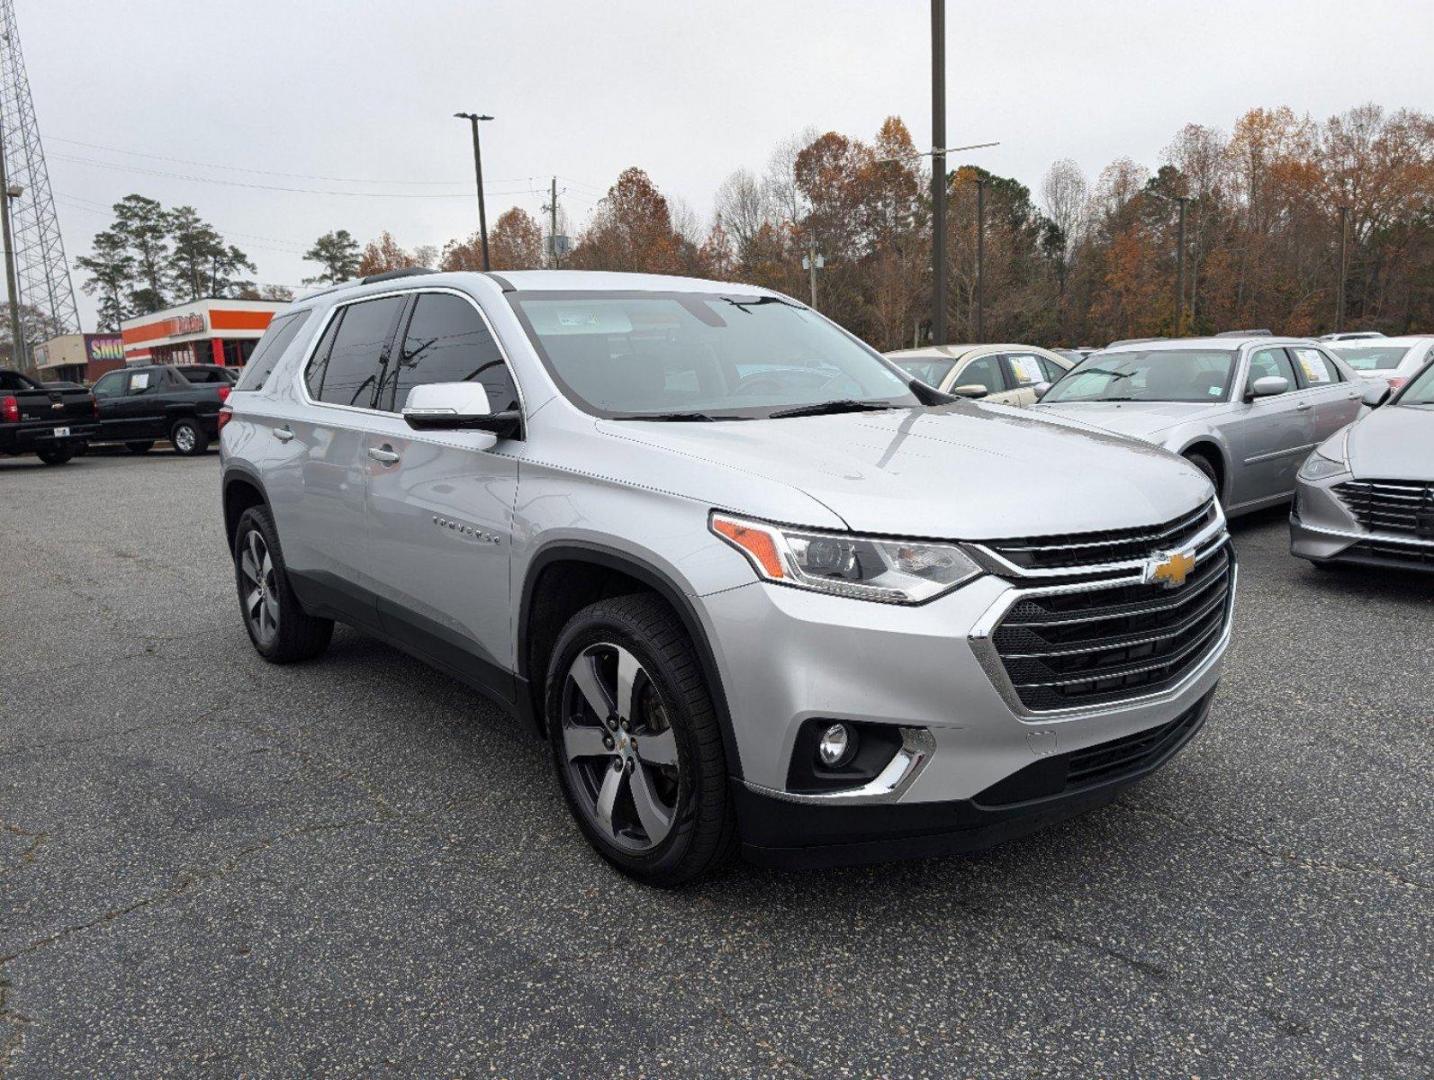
(1006, 374)
(1394, 360)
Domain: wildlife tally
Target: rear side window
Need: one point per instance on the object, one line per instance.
(1025, 368)
(447, 341)
(271, 348)
(13, 380)
(1314, 368)
(345, 370)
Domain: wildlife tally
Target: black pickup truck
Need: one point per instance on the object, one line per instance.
(52, 422)
(139, 405)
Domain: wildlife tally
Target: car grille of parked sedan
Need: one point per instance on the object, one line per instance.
(1402, 507)
(1092, 646)
(1084, 550)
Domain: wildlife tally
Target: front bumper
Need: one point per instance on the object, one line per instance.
(1323, 530)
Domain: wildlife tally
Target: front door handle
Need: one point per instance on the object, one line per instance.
(283, 434)
(1303, 406)
(384, 454)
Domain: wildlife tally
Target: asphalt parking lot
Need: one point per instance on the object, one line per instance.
(210, 865)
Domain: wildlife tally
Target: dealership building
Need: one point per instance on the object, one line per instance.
(80, 358)
(213, 331)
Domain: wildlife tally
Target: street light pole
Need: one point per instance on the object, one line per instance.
(1343, 267)
(473, 119)
(1180, 268)
(981, 183)
(938, 172)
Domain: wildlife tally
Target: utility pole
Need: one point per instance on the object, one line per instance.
(812, 262)
(553, 222)
(938, 172)
(17, 339)
(1343, 267)
(473, 119)
(1180, 268)
(981, 183)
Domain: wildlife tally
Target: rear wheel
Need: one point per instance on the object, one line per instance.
(636, 741)
(188, 438)
(55, 455)
(280, 629)
(139, 447)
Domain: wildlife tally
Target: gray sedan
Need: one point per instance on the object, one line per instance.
(1367, 495)
(1246, 411)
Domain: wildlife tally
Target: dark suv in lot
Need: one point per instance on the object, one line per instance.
(139, 405)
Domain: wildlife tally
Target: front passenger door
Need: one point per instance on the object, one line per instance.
(984, 371)
(1268, 436)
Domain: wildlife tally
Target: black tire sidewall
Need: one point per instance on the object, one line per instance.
(55, 457)
(1206, 466)
(593, 625)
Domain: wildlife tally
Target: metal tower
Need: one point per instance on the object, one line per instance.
(41, 273)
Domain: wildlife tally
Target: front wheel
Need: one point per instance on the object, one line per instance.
(188, 438)
(1206, 466)
(636, 741)
(55, 455)
(282, 632)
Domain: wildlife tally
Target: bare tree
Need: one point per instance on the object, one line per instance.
(779, 184)
(741, 206)
(1064, 192)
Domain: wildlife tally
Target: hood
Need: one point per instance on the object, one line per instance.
(1395, 442)
(1136, 419)
(961, 471)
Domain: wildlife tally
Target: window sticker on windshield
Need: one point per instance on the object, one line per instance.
(1027, 369)
(1313, 365)
(1214, 391)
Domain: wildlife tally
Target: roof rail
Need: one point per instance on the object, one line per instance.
(389, 275)
(1133, 341)
(1245, 333)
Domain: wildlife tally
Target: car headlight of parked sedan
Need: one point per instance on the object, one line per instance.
(865, 568)
(1330, 458)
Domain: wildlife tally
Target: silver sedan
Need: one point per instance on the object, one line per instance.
(1246, 411)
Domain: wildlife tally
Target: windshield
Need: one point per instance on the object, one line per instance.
(929, 369)
(1420, 391)
(1148, 375)
(1373, 357)
(632, 355)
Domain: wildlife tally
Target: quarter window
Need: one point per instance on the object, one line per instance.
(345, 369)
(271, 347)
(447, 341)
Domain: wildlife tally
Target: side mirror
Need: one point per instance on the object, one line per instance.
(458, 406)
(970, 390)
(1041, 389)
(1376, 394)
(1269, 386)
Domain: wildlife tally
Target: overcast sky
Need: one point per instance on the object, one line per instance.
(364, 92)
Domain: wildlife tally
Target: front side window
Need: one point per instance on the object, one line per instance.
(983, 371)
(679, 355)
(271, 347)
(347, 371)
(447, 341)
(1265, 363)
(1420, 391)
(110, 384)
(1187, 375)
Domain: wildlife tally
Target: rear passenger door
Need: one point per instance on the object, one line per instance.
(441, 502)
(1334, 401)
(319, 481)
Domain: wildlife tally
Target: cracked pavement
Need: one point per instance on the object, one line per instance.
(213, 866)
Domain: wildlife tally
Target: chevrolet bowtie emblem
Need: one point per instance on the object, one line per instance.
(1169, 569)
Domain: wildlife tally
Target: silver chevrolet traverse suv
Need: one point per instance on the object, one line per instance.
(756, 586)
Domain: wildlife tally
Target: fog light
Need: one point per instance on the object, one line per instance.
(837, 745)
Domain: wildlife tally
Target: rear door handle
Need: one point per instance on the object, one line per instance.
(283, 434)
(383, 454)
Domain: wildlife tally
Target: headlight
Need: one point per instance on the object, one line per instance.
(888, 571)
(1330, 458)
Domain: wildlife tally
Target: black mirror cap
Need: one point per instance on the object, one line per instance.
(505, 425)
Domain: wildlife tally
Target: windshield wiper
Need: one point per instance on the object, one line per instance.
(677, 417)
(827, 408)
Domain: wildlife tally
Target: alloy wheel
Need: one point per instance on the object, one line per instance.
(257, 591)
(621, 755)
(184, 438)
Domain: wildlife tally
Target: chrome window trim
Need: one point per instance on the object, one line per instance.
(1215, 528)
(982, 642)
(917, 747)
(300, 375)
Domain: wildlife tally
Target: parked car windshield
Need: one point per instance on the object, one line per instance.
(1420, 390)
(1148, 375)
(929, 369)
(1373, 357)
(700, 355)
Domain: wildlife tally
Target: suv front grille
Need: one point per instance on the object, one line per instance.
(1095, 646)
(1405, 507)
(1100, 548)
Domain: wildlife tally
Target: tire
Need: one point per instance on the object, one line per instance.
(282, 632)
(139, 447)
(55, 455)
(670, 719)
(1206, 466)
(188, 437)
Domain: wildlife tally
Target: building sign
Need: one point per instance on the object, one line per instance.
(189, 323)
(104, 347)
